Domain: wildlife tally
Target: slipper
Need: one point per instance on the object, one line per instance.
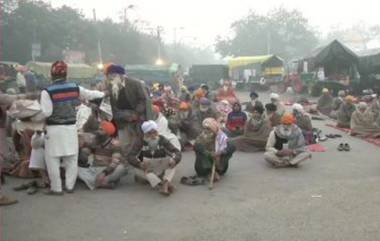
(32, 190)
(331, 136)
(337, 135)
(341, 147)
(347, 147)
(192, 181)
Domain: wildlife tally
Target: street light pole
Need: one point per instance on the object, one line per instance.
(98, 35)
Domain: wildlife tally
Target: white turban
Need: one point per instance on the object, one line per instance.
(148, 126)
(297, 107)
(274, 96)
(362, 105)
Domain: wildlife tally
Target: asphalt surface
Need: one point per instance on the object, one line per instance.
(334, 196)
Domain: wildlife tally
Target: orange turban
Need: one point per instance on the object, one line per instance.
(184, 106)
(199, 93)
(288, 119)
(156, 109)
(108, 127)
(350, 98)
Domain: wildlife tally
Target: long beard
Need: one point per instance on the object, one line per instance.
(116, 85)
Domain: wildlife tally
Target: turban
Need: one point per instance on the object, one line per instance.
(168, 89)
(108, 127)
(253, 94)
(59, 69)
(149, 126)
(288, 119)
(211, 124)
(199, 93)
(274, 96)
(271, 107)
(349, 98)
(362, 105)
(156, 109)
(184, 106)
(341, 93)
(325, 90)
(205, 87)
(204, 101)
(297, 107)
(114, 69)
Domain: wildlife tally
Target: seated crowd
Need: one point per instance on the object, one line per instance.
(100, 135)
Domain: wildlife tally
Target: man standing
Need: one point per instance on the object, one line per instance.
(130, 104)
(58, 102)
(286, 144)
(155, 158)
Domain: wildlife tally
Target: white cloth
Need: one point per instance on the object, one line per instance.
(274, 96)
(20, 80)
(298, 107)
(83, 114)
(163, 130)
(71, 171)
(37, 159)
(148, 126)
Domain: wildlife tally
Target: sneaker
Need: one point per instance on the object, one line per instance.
(347, 147)
(341, 147)
(5, 201)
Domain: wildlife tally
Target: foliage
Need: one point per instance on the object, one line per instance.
(282, 32)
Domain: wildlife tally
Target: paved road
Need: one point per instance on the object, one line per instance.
(335, 196)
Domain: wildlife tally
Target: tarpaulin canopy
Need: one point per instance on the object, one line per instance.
(239, 62)
(152, 72)
(335, 52)
(75, 71)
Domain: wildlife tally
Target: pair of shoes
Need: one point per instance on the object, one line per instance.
(5, 201)
(344, 147)
(53, 193)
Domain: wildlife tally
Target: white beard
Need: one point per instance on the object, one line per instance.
(116, 84)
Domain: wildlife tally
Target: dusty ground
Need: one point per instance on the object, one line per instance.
(334, 196)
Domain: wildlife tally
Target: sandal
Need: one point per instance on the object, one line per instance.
(193, 181)
(341, 147)
(347, 147)
(32, 190)
(53, 193)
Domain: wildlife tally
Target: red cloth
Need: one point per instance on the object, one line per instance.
(317, 148)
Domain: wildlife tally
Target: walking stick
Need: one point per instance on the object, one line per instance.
(211, 184)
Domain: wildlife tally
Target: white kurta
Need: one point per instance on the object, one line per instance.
(62, 140)
(163, 129)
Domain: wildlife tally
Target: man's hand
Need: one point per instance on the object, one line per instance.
(286, 152)
(172, 163)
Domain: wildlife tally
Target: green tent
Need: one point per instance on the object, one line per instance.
(153, 73)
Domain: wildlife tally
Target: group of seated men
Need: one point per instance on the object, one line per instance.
(363, 118)
(149, 127)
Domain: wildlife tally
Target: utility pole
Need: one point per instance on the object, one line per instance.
(99, 44)
(268, 43)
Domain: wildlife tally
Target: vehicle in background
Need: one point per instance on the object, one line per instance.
(210, 74)
(8, 74)
(79, 73)
(258, 72)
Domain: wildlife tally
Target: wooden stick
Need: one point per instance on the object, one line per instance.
(211, 184)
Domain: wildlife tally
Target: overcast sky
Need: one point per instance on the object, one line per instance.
(203, 20)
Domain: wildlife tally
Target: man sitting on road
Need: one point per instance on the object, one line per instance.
(155, 158)
(286, 144)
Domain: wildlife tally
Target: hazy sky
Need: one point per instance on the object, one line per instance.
(205, 19)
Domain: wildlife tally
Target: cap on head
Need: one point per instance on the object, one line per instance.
(325, 90)
(288, 119)
(114, 69)
(149, 126)
(253, 94)
(274, 96)
(205, 101)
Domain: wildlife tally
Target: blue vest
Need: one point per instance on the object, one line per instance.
(65, 97)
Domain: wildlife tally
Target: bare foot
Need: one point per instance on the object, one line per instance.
(164, 190)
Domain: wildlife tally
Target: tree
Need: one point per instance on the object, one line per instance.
(282, 32)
